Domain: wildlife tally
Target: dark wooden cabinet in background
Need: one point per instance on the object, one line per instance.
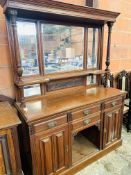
(68, 119)
(9, 148)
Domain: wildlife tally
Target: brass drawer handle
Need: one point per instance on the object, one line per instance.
(114, 104)
(86, 112)
(86, 122)
(52, 124)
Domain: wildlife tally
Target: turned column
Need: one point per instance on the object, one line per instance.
(16, 53)
(109, 24)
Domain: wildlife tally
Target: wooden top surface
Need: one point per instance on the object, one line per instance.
(8, 116)
(61, 102)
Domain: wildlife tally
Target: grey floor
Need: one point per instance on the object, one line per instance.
(117, 162)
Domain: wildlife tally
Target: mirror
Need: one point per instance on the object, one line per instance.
(32, 90)
(92, 48)
(28, 47)
(63, 48)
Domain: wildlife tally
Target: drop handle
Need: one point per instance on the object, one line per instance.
(52, 124)
(86, 122)
(86, 112)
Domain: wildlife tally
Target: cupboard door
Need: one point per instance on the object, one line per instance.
(112, 126)
(50, 151)
(7, 154)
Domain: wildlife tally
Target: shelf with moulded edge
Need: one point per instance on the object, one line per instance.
(38, 79)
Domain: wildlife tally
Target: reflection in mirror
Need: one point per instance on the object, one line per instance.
(28, 47)
(91, 80)
(32, 90)
(92, 47)
(63, 47)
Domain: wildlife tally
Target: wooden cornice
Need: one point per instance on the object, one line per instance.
(60, 8)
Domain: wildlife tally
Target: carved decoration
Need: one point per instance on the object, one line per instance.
(120, 76)
(56, 85)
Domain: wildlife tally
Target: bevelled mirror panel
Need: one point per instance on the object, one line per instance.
(63, 48)
(92, 48)
(32, 90)
(27, 39)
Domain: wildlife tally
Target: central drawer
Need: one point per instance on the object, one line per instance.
(85, 112)
(86, 122)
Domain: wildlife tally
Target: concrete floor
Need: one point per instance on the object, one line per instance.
(117, 162)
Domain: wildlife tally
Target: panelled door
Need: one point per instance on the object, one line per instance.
(51, 155)
(112, 124)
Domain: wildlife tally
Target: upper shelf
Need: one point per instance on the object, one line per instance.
(25, 81)
(48, 8)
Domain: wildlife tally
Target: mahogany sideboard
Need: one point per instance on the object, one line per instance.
(68, 119)
(54, 127)
(9, 147)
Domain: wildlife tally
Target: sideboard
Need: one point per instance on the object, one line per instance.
(68, 119)
(68, 131)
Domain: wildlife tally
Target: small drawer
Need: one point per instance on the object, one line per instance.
(86, 122)
(113, 103)
(85, 112)
(50, 124)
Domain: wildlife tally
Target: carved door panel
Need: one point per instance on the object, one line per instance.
(50, 151)
(7, 156)
(112, 126)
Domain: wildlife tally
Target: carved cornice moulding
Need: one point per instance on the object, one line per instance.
(60, 8)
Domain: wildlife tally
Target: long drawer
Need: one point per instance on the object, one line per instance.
(50, 124)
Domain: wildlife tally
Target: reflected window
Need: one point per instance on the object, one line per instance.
(28, 47)
(63, 48)
(32, 90)
(91, 80)
(92, 47)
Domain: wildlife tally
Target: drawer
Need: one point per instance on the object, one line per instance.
(85, 112)
(113, 103)
(50, 124)
(86, 122)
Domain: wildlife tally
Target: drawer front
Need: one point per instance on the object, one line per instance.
(85, 112)
(50, 124)
(113, 103)
(86, 122)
